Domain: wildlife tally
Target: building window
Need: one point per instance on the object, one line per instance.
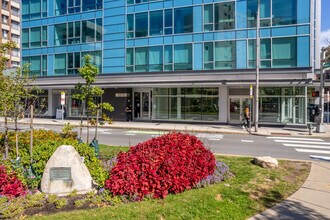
(168, 58)
(284, 12)
(74, 6)
(74, 32)
(168, 22)
(284, 52)
(5, 34)
(68, 64)
(220, 16)
(32, 9)
(78, 32)
(183, 57)
(130, 26)
(4, 19)
(34, 37)
(252, 7)
(156, 23)
(220, 55)
(141, 24)
(38, 65)
(15, 11)
(183, 20)
(15, 38)
(60, 34)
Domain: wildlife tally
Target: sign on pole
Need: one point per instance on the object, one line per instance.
(251, 92)
(62, 103)
(326, 65)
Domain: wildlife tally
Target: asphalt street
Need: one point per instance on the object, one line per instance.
(286, 147)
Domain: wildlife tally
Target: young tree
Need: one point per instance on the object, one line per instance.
(87, 92)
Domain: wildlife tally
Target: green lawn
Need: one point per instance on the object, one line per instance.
(253, 190)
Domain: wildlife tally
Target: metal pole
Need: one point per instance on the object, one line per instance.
(328, 99)
(256, 107)
(62, 113)
(320, 128)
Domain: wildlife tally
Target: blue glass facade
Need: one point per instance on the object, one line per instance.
(131, 37)
(156, 36)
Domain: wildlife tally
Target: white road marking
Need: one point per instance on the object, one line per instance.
(302, 142)
(130, 134)
(214, 139)
(105, 132)
(313, 151)
(291, 138)
(307, 146)
(247, 141)
(319, 157)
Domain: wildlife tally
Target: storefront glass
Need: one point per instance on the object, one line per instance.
(283, 105)
(191, 104)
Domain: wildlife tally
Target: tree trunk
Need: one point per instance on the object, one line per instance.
(97, 123)
(6, 138)
(87, 128)
(31, 135)
(16, 136)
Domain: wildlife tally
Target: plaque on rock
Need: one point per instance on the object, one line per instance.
(66, 172)
(60, 173)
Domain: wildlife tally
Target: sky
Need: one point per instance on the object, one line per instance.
(325, 21)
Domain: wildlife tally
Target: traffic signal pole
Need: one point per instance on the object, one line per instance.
(320, 126)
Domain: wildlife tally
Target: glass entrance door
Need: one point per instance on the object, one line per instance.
(236, 109)
(142, 105)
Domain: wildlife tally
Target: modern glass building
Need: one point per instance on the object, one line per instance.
(177, 60)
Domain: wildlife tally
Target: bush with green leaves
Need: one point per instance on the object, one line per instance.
(45, 144)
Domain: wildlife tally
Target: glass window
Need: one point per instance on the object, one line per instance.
(156, 59)
(252, 7)
(88, 31)
(208, 56)
(89, 5)
(44, 65)
(208, 18)
(60, 64)
(74, 32)
(35, 37)
(130, 26)
(141, 24)
(183, 57)
(168, 22)
(25, 38)
(252, 53)
(225, 55)
(99, 29)
(168, 58)
(96, 58)
(44, 36)
(284, 12)
(60, 34)
(141, 59)
(25, 9)
(183, 20)
(35, 9)
(156, 23)
(265, 51)
(129, 60)
(74, 6)
(224, 14)
(35, 66)
(73, 63)
(44, 8)
(60, 7)
(284, 52)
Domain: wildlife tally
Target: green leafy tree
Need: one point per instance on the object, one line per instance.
(87, 92)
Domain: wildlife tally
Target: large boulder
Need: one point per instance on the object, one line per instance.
(65, 172)
(266, 162)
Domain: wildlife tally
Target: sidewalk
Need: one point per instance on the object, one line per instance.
(205, 128)
(311, 201)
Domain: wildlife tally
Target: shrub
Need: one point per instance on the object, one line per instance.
(10, 185)
(221, 173)
(171, 163)
(45, 144)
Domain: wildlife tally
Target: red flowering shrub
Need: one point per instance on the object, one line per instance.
(10, 186)
(171, 163)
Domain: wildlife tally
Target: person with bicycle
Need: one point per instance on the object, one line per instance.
(246, 114)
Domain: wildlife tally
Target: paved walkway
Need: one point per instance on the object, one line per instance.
(311, 201)
(209, 128)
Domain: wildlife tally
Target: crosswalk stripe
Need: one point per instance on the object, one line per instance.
(247, 141)
(313, 151)
(214, 139)
(307, 146)
(291, 138)
(319, 157)
(302, 142)
(130, 134)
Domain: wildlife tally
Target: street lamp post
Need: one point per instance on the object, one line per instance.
(256, 115)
